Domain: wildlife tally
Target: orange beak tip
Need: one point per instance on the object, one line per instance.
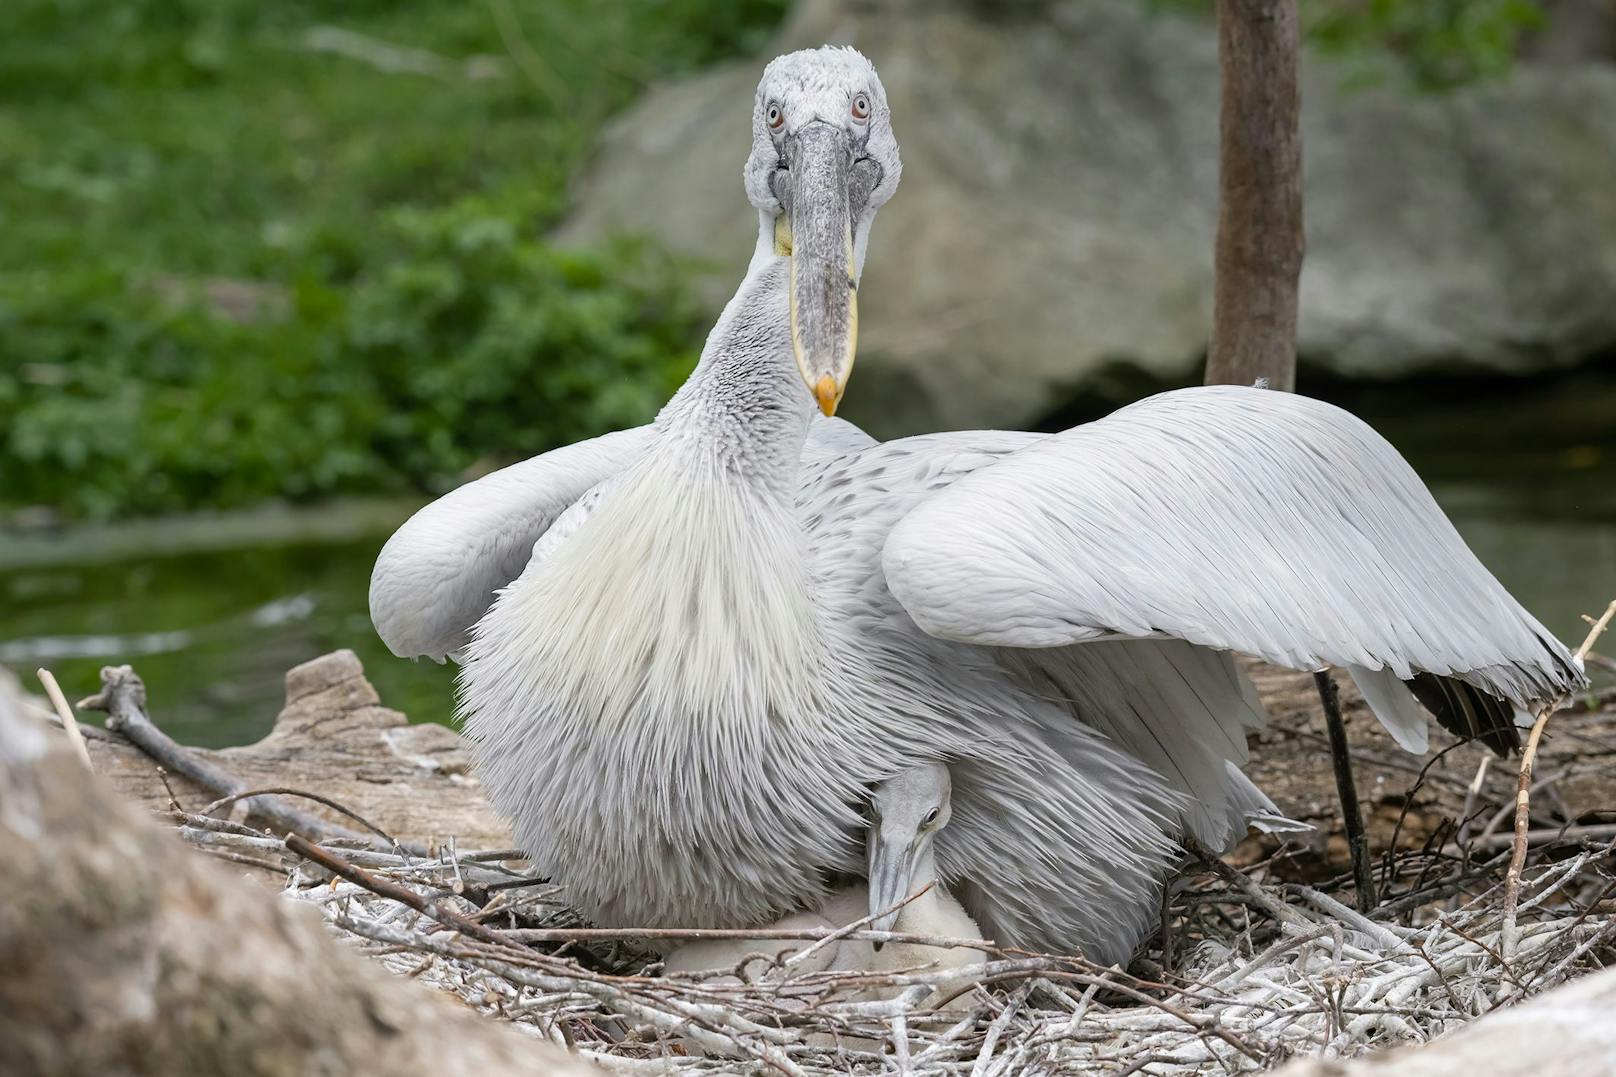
(825, 392)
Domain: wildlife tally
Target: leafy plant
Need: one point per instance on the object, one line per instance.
(295, 249)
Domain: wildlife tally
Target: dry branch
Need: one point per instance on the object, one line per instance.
(70, 724)
(334, 738)
(123, 699)
(1523, 792)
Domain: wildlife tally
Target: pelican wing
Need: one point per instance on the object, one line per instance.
(1239, 519)
(437, 575)
(1183, 710)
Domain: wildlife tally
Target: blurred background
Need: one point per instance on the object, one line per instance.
(272, 275)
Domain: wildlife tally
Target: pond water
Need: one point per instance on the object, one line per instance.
(213, 610)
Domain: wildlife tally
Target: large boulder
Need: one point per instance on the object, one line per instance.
(1055, 225)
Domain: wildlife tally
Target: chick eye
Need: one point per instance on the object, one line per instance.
(861, 107)
(931, 817)
(775, 117)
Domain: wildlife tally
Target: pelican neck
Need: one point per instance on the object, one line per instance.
(745, 407)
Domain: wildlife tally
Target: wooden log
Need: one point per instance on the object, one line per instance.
(124, 952)
(335, 738)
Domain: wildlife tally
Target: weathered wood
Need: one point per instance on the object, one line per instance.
(335, 738)
(126, 953)
(1564, 1033)
(123, 699)
(1260, 235)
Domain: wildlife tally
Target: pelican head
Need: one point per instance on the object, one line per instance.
(906, 812)
(823, 161)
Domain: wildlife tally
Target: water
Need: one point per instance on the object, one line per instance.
(213, 621)
(212, 611)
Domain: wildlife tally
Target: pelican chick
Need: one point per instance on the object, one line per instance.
(906, 813)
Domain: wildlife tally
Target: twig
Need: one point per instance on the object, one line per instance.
(849, 929)
(316, 797)
(1243, 882)
(1357, 840)
(1547, 835)
(70, 724)
(1465, 815)
(1523, 796)
(761, 934)
(336, 865)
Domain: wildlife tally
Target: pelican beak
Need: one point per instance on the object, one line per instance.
(892, 872)
(817, 233)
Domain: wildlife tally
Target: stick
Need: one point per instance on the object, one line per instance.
(1471, 793)
(1523, 797)
(1546, 835)
(762, 934)
(123, 697)
(389, 889)
(1357, 840)
(70, 724)
(1244, 883)
(316, 797)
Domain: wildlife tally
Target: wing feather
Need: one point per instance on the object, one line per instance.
(1239, 519)
(438, 573)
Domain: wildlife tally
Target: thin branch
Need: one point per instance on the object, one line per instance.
(336, 865)
(335, 806)
(70, 724)
(1523, 795)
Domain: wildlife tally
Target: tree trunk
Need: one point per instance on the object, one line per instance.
(126, 953)
(1260, 243)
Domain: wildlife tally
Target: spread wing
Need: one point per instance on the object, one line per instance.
(1238, 519)
(437, 575)
(1183, 710)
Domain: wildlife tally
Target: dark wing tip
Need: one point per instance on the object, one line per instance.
(1468, 712)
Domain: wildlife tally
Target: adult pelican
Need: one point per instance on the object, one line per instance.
(690, 649)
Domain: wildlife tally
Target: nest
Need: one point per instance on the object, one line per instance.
(1266, 970)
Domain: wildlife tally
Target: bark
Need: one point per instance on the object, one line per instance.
(333, 737)
(1260, 240)
(126, 953)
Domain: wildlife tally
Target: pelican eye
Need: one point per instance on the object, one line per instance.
(861, 107)
(931, 817)
(775, 117)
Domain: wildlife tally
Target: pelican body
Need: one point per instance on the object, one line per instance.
(690, 650)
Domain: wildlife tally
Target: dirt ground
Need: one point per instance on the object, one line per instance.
(1575, 776)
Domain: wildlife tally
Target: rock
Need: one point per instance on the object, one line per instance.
(127, 953)
(1055, 224)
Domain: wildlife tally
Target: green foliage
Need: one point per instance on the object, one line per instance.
(1425, 45)
(1430, 44)
(238, 264)
(452, 340)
